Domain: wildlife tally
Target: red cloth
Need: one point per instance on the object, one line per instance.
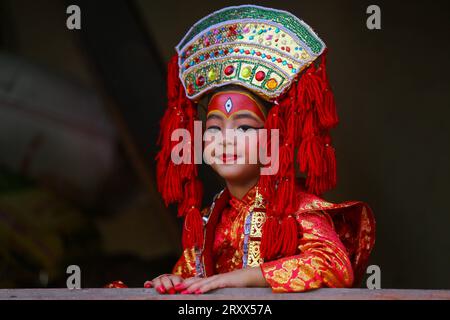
(333, 247)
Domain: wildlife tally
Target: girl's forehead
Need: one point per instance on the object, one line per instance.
(235, 104)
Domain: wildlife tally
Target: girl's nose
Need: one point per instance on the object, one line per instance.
(229, 136)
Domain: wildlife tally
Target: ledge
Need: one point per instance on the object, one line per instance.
(223, 294)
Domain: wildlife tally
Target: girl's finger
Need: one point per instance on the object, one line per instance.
(196, 285)
(179, 284)
(187, 282)
(167, 284)
(193, 286)
(176, 281)
(212, 285)
(156, 283)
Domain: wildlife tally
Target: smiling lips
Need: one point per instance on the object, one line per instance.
(228, 157)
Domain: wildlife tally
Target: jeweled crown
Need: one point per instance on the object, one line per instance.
(259, 48)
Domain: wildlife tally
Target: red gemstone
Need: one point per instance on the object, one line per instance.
(288, 49)
(290, 66)
(190, 89)
(269, 56)
(279, 60)
(229, 70)
(226, 51)
(200, 81)
(247, 51)
(282, 48)
(260, 75)
(258, 53)
(236, 50)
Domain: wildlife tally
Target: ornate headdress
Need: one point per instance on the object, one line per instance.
(272, 53)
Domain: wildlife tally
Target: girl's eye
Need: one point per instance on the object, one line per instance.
(245, 128)
(213, 128)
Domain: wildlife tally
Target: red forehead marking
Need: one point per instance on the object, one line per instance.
(230, 102)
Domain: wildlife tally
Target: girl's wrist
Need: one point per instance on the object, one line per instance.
(256, 278)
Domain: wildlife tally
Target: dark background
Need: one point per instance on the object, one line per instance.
(79, 114)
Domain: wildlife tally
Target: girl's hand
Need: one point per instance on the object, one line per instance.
(166, 283)
(249, 277)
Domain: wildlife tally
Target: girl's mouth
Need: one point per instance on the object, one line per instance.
(228, 158)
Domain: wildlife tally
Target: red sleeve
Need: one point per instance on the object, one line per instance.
(323, 260)
(185, 266)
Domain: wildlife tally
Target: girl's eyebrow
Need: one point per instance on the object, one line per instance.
(245, 116)
(214, 115)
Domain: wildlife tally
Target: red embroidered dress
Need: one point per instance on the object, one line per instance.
(298, 240)
(330, 253)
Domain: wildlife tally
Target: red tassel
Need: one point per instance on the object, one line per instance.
(286, 158)
(193, 229)
(192, 197)
(284, 200)
(180, 114)
(317, 159)
(309, 89)
(289, 236)
(327, 109)
(310, 155)
(173, 81)
(168, 178)
(270, 244)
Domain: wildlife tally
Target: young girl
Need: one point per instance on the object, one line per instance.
(250, 69)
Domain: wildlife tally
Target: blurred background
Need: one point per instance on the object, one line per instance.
(79, 114)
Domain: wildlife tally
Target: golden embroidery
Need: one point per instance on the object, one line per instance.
(259, 201)
(254, 258)
(185, 267)
(290, 265)
(306, 224)
(297, 284)
(306, 272)
(281, 276)
(316, 204)
(315, 284)
(258, 219)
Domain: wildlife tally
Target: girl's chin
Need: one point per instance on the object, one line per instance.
(235, 171)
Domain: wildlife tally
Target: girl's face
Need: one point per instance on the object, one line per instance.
(231, 135)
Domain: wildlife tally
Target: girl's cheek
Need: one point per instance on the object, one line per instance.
(212, 148)
(208, 151)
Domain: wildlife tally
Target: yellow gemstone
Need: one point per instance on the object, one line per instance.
(212, 75)
(271, 84)
(246, 72)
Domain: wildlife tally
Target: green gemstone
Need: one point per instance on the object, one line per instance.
(246, 72)
(212, 75)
